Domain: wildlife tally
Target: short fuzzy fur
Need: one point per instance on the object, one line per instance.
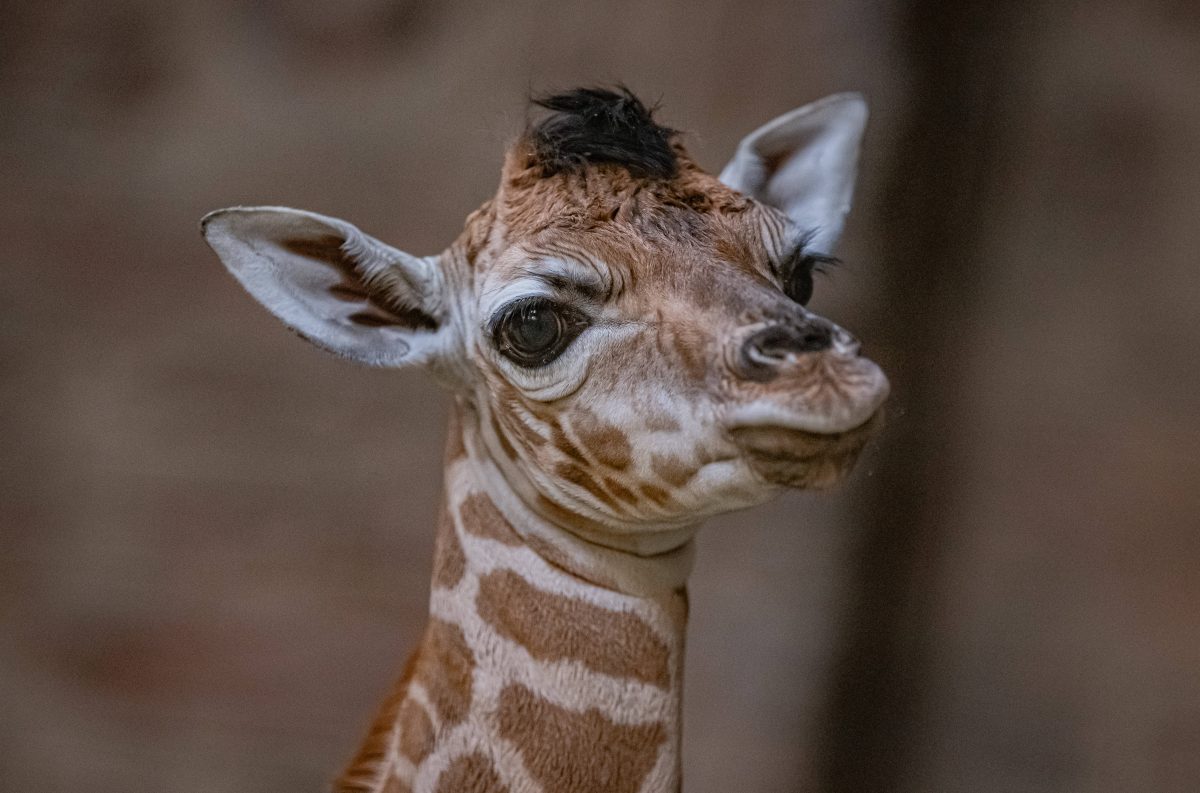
(575, 483)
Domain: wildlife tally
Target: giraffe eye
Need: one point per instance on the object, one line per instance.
(799, 283)
(797, 274)
(534, 331)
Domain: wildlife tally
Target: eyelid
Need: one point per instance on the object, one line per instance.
(571, 275)
(590, 291)
(812, 262)
(573, 314)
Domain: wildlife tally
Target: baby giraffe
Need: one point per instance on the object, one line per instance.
(629, 351)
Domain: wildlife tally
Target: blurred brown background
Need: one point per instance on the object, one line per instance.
(216, 540)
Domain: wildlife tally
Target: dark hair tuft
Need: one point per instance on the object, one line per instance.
(598, 125)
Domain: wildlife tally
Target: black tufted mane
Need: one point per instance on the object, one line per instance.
(598, 125)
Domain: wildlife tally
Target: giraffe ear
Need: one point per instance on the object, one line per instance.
(804, 164)
(337, 287)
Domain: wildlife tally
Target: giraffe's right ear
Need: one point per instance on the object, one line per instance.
(337, 287)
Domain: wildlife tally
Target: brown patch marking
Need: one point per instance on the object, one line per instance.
(672, 470)
(655, 494)
(444, 665)
(471, 773)
(556, 628)
(564, 444)
(326, 248)
(481, 517)
(580, 752)
(620, 491)
(449, 564)
(577, 476)
(561, 516)
(606, 442)
(662, 422)
(416, 731)
(675, 604)
(382, 308)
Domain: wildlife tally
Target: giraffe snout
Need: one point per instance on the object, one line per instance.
(764, 352)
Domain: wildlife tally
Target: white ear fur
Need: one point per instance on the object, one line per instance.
(337, 287)
(804, 163)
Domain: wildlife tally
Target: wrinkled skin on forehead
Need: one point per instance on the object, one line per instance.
(630, 429)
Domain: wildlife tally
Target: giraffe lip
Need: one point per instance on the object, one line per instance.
(783, 443)
(842, 410)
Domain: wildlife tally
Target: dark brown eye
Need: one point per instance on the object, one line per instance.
(797, 274)
(534, 331)
(798, 284)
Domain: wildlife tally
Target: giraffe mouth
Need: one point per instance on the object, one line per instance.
(794, 457)
(826, 396)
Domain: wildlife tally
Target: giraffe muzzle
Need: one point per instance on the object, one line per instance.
(766, 353)
(807, 376)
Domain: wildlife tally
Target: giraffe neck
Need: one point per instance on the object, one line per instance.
(549, 663)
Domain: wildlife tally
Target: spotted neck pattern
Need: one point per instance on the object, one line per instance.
(548, 665)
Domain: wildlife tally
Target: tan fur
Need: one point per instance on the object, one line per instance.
(380, 309)
(673, 471)
(553, 659)
(415, 731)
(449, 563)
(553, 627)
(471, 773)
(580, 752)
(606, 443)
(612, 642)
(480, 517)
(444, 667)
(371, 763)
(394, 785)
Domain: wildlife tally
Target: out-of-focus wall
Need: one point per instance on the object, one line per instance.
(1063, 625)
(1024, 612)
(217, 540)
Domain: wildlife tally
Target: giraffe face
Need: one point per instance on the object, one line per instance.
(651, 362)
(629, 332)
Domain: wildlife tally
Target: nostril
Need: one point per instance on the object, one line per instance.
(777, 342)
(817, 339)
(773, 342)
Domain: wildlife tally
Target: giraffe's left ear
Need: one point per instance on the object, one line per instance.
(337, 287)
(804, 163)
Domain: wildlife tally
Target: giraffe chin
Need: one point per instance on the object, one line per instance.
(798, 458)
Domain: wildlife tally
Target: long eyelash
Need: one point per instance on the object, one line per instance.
(820, 262)
(813, 261)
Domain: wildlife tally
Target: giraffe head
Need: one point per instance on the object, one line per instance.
(627, 334)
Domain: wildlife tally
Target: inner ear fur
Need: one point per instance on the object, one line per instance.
(336, 286)
(379, 295)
